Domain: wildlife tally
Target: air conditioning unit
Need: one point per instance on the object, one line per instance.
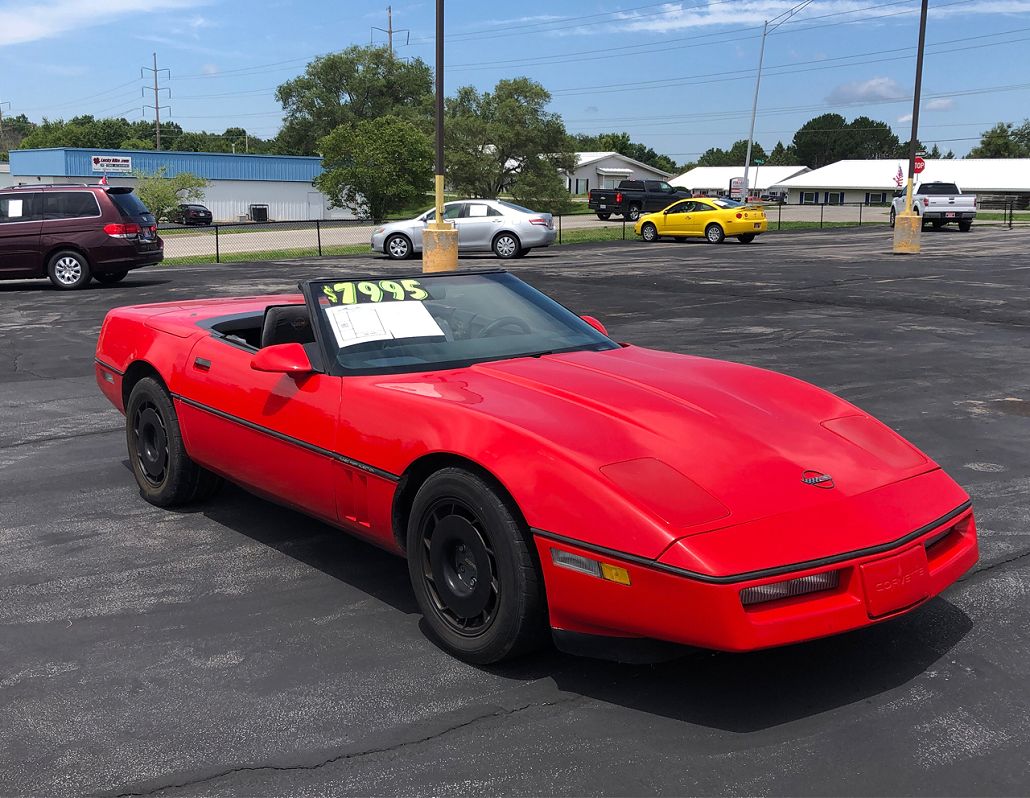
(259, 213)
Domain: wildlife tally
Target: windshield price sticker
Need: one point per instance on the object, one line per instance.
(360, 323)
(374, 291)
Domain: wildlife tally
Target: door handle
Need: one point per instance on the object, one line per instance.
(202, 364)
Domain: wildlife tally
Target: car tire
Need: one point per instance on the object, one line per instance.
(398, 247)
(965, 226)
(524, 252)
(109, 278)
(634, 212)
(165, 474)
(471, 566)
(747, 238)
(506, 246)
(604, 217)
(69, 270)
(893, 216)
(649, 233)
(714, 234)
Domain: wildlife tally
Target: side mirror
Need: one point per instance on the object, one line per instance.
(595, 324)
(282, 359)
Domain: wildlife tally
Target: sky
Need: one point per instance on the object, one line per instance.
(677, 76)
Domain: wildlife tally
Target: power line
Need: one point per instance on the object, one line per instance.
(157, 101)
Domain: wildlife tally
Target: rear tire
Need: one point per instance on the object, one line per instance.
(892, 217)
(109, 278)
(747, 238)
(506, 246)
(634, 212)
(649, 233)
(472, 569)
(965, 226)
(69, 270)
(604, 217)
(714, 234)
(165, 474)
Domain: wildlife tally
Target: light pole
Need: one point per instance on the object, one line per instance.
(440, 238)
(766, 27)
(907, 224)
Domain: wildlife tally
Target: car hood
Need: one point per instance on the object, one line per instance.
(698, 444)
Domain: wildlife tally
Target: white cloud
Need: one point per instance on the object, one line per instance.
(940, 104)
(26, 22)
(904, 118)
(859, 91)
(210, 69)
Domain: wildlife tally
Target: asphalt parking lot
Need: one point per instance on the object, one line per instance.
(244, 649)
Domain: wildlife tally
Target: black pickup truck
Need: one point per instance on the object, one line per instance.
(633, 197)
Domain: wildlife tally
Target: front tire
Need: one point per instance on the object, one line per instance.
(110, 278)
(69, 270)
(892, 217)
(649, 233)
(472, 570)
(507, 246)
(398, 247)
(165, 474)
(714, 234)
(747, 238)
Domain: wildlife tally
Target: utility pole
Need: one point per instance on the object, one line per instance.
(389, 30)
(2, 140)
(157, 103)
(908, 225)
(767, 26)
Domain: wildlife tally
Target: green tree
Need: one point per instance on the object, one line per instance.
(161, 194)
(734, 156)
(620, 143)
(822, 141)
(505, 141)
(136, 144)
(871, 140)
(782, 156)
(376, 166)
(1004, 140)
(344, 88)
(15, 129)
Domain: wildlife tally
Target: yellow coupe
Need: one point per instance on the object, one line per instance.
(713, 218)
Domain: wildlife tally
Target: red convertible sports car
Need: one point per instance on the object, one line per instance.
(537, 475)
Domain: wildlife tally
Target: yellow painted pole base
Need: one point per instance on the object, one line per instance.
(907, 228)
(439, 247)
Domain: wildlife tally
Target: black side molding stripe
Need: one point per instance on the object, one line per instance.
(766, 572)
(112, 369)
(370, 469)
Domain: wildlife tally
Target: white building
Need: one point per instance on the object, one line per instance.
(874, 182)
(713, 181)
(5, 175)
(606, 169)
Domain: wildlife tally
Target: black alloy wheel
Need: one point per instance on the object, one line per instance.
(472, 571)
(164, 472)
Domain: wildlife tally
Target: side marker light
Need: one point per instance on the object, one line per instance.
(586, 565)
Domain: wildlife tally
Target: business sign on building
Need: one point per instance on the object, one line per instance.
(111, 163)
(736, 187)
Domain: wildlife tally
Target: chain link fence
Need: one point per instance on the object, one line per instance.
(246, 241)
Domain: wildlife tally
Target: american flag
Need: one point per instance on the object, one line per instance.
(899, 178)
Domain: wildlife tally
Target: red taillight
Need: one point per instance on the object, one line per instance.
(740, 216)
(122, 230)
(618, 197)
(538, 220)
(926, 202)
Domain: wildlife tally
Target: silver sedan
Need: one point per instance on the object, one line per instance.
(506, 229)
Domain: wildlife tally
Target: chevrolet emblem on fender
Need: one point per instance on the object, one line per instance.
(817, 479)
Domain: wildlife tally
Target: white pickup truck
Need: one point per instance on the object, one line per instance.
(938, 204)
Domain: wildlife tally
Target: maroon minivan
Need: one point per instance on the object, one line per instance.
(74, 232)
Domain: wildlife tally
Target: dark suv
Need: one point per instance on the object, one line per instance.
(74, 232)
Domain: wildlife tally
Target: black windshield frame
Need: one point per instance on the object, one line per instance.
(312, 291)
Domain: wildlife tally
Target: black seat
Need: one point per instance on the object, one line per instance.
(286, 324)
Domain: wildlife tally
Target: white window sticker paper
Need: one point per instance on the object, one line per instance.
(14, 209)
(381, 321)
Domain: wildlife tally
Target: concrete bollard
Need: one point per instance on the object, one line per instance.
(907, 228)
(439, 248)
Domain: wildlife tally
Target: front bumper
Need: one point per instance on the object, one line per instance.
(667, 603)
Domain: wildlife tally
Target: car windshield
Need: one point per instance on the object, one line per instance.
(383, 326)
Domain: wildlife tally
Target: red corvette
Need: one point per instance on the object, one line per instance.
(536, 474)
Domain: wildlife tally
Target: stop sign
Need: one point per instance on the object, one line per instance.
(918, 165)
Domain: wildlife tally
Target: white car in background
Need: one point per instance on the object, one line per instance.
(506, 229)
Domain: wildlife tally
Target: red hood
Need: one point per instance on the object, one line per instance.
(744, 435)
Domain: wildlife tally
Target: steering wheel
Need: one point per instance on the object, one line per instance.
(504, 321)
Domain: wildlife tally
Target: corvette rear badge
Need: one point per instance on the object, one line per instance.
(824, 481)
